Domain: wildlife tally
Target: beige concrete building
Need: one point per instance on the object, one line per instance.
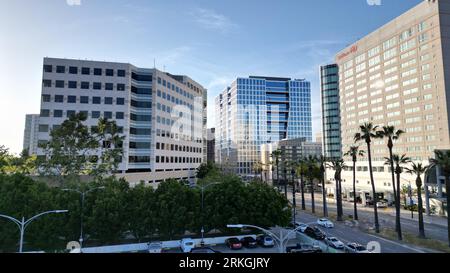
(398, 75)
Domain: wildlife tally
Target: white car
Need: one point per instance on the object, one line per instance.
(334, 242)
(299, 226)
(382, 204)
(355, 248)
(323, 222)
(187, 244)
(155, 247)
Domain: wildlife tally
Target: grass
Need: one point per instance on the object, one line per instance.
(413, 240)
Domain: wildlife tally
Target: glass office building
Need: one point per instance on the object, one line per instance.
(258, 110)
(331, 124)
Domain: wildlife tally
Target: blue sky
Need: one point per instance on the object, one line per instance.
(211, 41)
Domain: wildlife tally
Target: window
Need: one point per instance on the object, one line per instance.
(119, 115)
(71, 99)
(57, 113)
(97, 71)
(73, 70)
(72, 85)
(84, 85)
(107, 115)
(109, 72)
(43, 128)
(60, 69)
(85, 71)
(70, 113)
(84, 99)
(120, 73)
(120, 101)
(95, 114)
(59, 98)
(374, 51)
(109, 86)
(47, 83)
(46, 98)
(45, 113)
(59, 84)
(96, 100)
(108, 100)
(97, 86)
(48, 68)
(120, 87)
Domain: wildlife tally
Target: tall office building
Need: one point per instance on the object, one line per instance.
(331, 120)
(162, 116)
(211, 145)
(257, 110)
(398, 75)
(30, 134)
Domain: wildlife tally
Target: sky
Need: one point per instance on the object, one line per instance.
(211, 41)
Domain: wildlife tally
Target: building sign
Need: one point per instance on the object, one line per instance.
(353, 49)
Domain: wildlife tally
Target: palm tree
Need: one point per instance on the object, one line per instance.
(322, 161)
(258, 169)
(338, 165)
(398, 161)
(311, 162)
(392, 134)
(418, 169)
(369, 132)
(354, 152)
(277, 154)
(442, 161)
(301, 170)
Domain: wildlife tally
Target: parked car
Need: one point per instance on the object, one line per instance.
(204, 250)
(303, 248)
(382, 204)
(301, 226)
(233, 243)
(265, 241)
(334, 242)
(187, 244)
(315, 233)
(355, 248)
(154, 247)
(324, 222)
(249, 242)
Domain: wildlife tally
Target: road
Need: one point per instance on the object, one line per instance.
(437, 231)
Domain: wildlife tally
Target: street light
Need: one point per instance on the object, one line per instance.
(83, 195)
(281, 240)
(24, 223)
(203, 189)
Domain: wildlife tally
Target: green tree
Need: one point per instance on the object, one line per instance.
(276, 155)
(418, 170)
(354, 152)
(302, 169)
(207, 169)
(141, 215)
(258, 169)
(442, 160)
(338, 165)
(322, 160)
(368, 132)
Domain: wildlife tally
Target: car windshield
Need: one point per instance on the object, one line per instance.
(333, 239)
(189, 243)
(360, 248)
(268, 239)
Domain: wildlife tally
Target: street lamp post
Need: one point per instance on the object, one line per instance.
(203, 190)
(23, 224)
(281, 240)
(83, 195)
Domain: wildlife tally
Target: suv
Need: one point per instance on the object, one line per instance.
(315, 233)
(303, 248)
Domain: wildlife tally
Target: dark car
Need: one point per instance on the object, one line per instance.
(315, 233)
(233, 243)
(303, 248)
(249, 242)
(204, 250)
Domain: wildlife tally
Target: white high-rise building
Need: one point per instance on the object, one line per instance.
(30, 136)
(162, 116)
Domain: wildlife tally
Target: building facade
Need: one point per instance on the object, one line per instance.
(331, 120)
(30, 135)
(398, 75)
(211, 140)
(258, 110)
(162, 116)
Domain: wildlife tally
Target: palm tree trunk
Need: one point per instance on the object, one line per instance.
(285, 185)
(393, 188)
(302, 189)
(420, 210)
(313, 204)
(375, 198)
(338, 200)
(447, 190)
(278, 176)
(324, 197)
(397, 211)
(355, 208)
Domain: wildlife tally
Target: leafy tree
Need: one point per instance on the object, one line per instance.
(368, 132)
(354, 152)
(417, 170)
(141, 216)
(275, 155)
(302, 169)
(207, 169)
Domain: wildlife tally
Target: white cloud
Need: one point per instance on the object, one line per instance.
(73, 2)
(209, 19)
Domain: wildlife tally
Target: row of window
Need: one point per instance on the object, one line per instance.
(84, 70)
(83, 85)
(175, 88)
(178, 148)
(83, 99)
(94, 114)
(170, 135)
(177, 159)
(173, 99)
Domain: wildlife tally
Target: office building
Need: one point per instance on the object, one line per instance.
(211, 145)
(162, 116)
(30, 135)
(397, 75)
(258, 110)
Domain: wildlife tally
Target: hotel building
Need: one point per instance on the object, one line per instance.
(258, 110)
(162, 116)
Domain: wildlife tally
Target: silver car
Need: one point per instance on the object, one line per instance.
(334, 242)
